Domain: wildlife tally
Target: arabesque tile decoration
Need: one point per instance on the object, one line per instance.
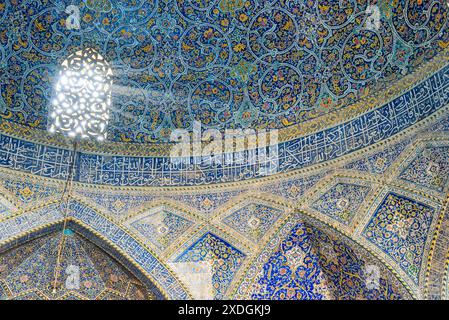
(364, 131)
(248, 63)
(362, 166)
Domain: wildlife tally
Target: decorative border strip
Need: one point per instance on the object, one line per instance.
(436, 281)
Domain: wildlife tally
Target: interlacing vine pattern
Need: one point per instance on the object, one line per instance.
(226, 63)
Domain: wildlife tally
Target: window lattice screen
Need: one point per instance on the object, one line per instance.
(82, 96)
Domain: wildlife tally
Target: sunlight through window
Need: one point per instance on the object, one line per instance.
(80, 108)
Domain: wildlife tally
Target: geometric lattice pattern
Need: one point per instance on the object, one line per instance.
(206, 202)
(294, 189)
(400, 227)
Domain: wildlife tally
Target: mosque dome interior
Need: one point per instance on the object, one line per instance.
(224, 149)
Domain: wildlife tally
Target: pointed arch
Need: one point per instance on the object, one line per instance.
(104, 233)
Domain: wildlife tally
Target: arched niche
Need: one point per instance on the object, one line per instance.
(112, 238)
(309, 260)
(90, 268)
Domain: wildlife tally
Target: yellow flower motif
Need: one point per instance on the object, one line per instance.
(225, 22)
(207, 203)
(208, 33)
(26, 192)
(239, 47)
(148, 48)
(87, 18)
(118, 204)
(243, 17)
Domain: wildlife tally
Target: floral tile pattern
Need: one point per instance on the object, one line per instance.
(118, 205)
(253, 220)
(400, 227)
(226, 260)
(30, 269)
(311, 265)
(251, 63)
(3, 209)
(29, 192)
(161, 227)
(341, 201)
(366, 108)
(429, 169)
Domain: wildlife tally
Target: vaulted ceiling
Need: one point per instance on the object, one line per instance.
(244, 64)
(27, 272)
(362, 165)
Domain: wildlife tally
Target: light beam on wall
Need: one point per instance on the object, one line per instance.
(80, 108)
